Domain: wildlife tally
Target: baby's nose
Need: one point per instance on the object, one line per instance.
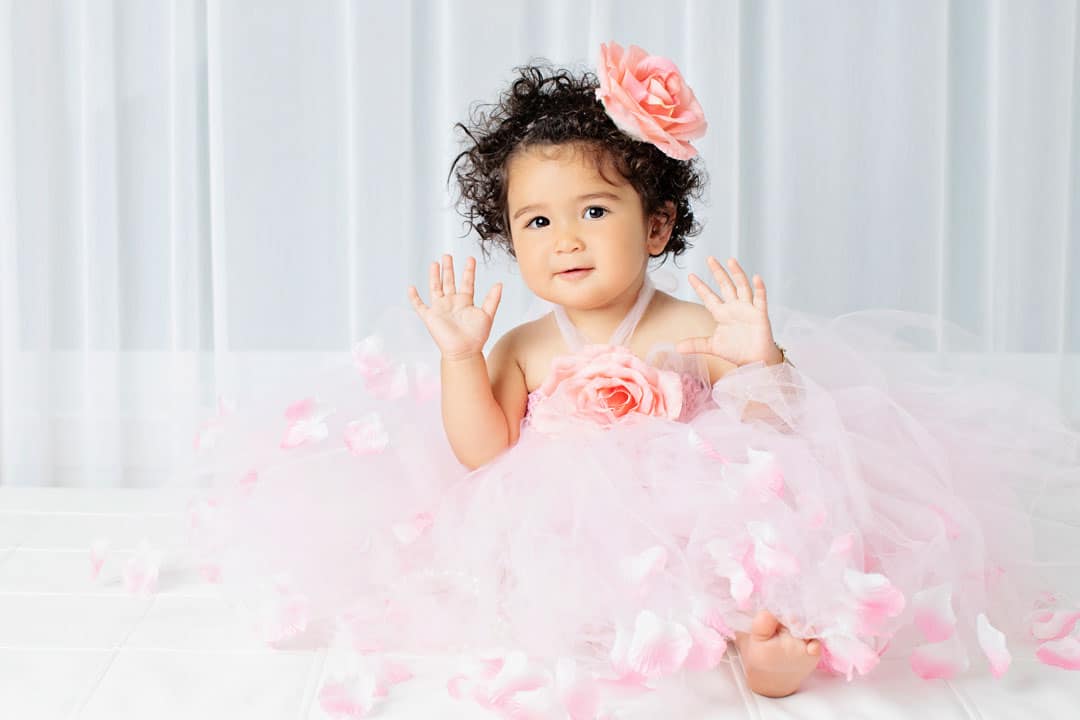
(568, 241)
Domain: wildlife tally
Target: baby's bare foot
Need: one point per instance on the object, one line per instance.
(775, 661)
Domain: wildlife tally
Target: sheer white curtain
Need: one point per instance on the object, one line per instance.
(196, 195)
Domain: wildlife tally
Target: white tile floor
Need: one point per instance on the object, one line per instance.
(73, 647)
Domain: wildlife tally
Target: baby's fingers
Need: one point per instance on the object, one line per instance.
(491, 301)
(711, 300)
(434, 281)
(468, 277)
(448, 282)
(417, 302)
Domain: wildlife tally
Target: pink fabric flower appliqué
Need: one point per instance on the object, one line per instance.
(601, 385)
(647, 98)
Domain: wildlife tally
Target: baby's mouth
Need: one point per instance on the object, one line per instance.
(574, 273)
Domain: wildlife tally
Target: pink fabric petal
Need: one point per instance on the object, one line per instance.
(708, 648)
(641, 568)
(348, 698)
(846, 654)
(517, 675)
(369, 356)
(409, 531)
(620, 659)
(367, 435)
(741, 584)
(769, 557)
(767, 479)
(1054, 624)
(711, 617)
(876, 599)
(286, 615)
(658, 647)
(97, 557)
(141, 571)
(1063, 653)
(389, 673)
(942, 660)
(391, 384)
(934, 612)
(992, 642)
(427, 382)
(301, 410)
(577, 693)
(701, 445)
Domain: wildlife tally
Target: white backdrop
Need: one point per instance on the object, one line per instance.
(196, 194)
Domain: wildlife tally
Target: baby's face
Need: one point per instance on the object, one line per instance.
(563, 215)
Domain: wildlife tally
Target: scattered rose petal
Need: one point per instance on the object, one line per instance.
(1063, 653)
(641, 568)
(742, 585)
(769, 557)
(658, 647)
(211, 572)
(992, 642)
(708, 648)
(845, 654)
(578, 693)
(391, 384)
(409, 531)
(97, 557)
(941, 660)
(427, 382)
(1054, 624)
(369, 357)
(934, 612)
(367, 435)
(876, 599)
(141, 571)
(701, 445)
(286, 614)
(307, 423)
(349, 697)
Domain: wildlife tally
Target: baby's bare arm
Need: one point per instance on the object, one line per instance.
(483, 402)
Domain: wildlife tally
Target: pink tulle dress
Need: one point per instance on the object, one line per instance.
(863, 495)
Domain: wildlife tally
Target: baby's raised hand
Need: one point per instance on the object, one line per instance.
(743, 333)
(458, 327)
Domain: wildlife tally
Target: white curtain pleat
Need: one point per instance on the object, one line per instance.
(197, 196)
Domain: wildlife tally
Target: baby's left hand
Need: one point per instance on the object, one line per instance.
(743, 333)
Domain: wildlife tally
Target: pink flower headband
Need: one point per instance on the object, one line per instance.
(648, 100)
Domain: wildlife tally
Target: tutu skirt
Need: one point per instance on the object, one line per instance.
(866, 496)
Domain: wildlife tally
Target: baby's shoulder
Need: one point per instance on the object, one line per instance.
(673, 319)
(532, 346)
(676, 315)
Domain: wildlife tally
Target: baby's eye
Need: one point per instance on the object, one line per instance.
(595, 215)
(545, 222)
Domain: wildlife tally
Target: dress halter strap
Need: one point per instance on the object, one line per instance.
(575, 340)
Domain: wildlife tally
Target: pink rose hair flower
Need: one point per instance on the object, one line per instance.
(601, 385)
(647, 98)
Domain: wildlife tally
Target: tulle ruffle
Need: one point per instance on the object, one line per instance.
(865, 495)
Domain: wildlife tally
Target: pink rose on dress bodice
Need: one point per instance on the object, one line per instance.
(601, 385)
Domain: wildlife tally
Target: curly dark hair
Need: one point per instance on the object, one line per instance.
(546, 105)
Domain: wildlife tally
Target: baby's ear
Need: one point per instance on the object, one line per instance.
(661, 223)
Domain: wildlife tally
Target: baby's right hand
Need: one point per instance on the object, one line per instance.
(458, 327)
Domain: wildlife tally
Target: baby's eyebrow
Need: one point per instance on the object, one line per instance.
(589, 196)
